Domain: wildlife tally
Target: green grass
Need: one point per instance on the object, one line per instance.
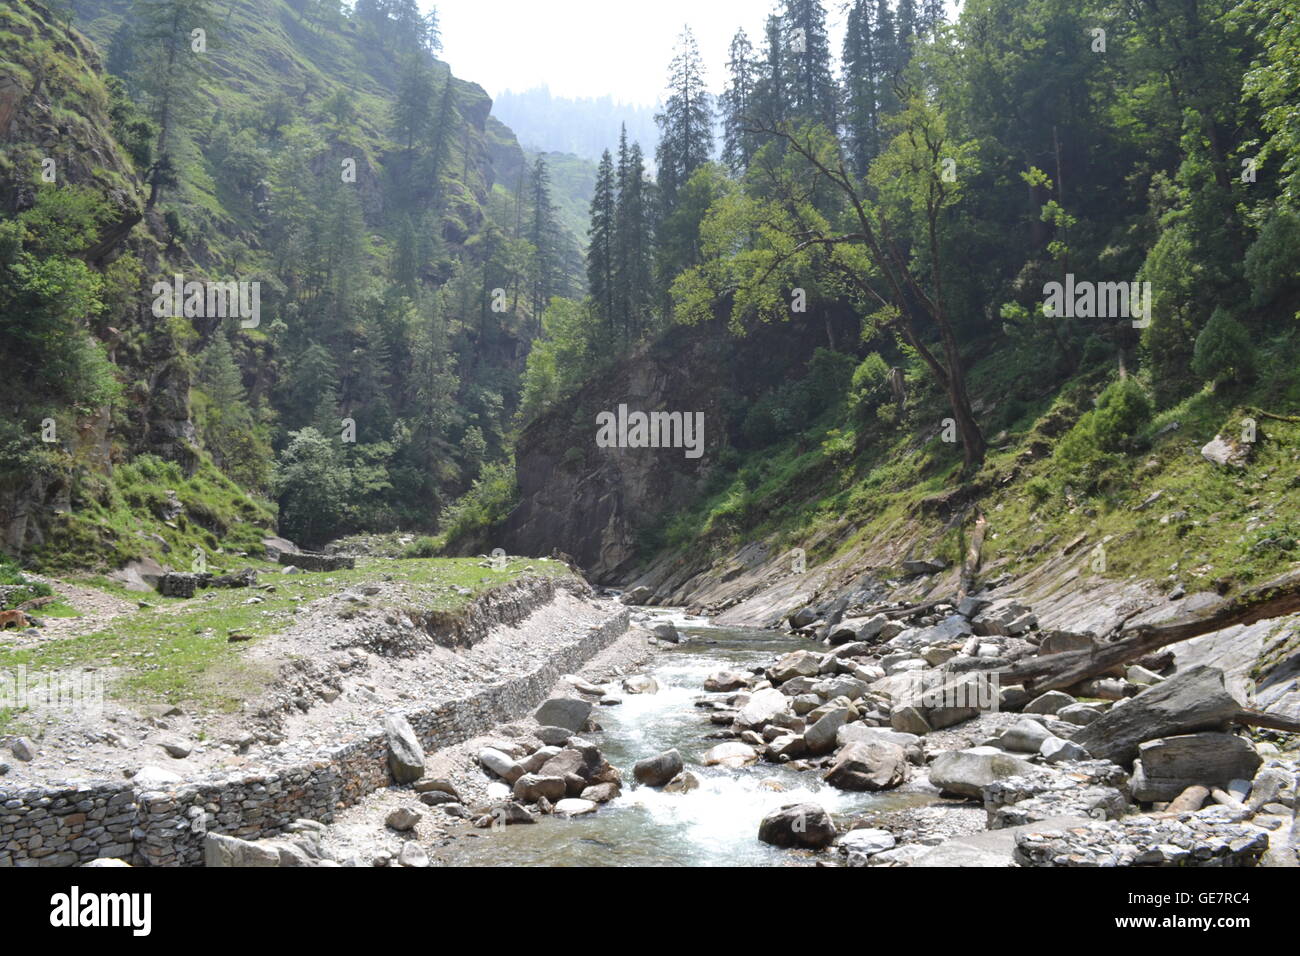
(121, 518)
(1221, 529)
(177, 651)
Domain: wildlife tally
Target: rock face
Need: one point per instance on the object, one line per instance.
(878, 765)
(594, 505)
(1193, 700)
(804, 825)
(658, 770)
(968, 772)
(405, 755)
(1168, 766)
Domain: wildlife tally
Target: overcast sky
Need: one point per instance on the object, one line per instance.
(594, 47)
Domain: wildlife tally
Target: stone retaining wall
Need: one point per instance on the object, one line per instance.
(71, 825)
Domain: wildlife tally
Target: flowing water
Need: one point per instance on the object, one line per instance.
(715, 825)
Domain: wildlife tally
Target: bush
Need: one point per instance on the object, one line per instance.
(1122, 411)
(869, 387)
(491, 498)
(1223, 348)
(1273, 261)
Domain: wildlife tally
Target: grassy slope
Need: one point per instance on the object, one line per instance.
(842, 484)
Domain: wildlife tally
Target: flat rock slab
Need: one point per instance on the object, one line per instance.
(1168, 766)
(992, 847)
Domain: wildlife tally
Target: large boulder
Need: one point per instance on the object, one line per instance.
(532, 787)
(878, 765)
(724, 681)
(220, 850)
(795, 664)
(658, 770)
(567, 712)
(802, 825)
(762, 706)
(405, 755)
(732, 754)
(1168, 766)
(1193, 700)
(501, 764)
(1191, 839)
(968, 772)
(820, 737)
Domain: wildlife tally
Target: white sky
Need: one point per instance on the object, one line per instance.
(594, 47)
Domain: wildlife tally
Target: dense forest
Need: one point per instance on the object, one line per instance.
(581, 126)
(905, 205)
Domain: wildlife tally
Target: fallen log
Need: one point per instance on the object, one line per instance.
(1038, 674)
(1259, 718)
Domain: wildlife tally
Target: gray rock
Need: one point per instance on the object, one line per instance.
(567, 712)
(413, 855)
(1056, 750)
(803, 825)
(532, 787)
(726, 681)
(1049, 703)
(820, 737)
(968, 772)
(403, 819)
(23, 749)
(405, 755)
(640, 684)
(868, 766)
(658, 770)
(554, 736)
(220, 850)
(667, 632)
(795, 664)
(866, 840)
(1168, 766)
(1024, 736)
(500, 764)
(1195, 699)
(991, 847)
(763, 705)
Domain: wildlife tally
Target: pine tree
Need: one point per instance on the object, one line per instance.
(167, 69)
(601, 247)
(543, 234)
(771, 92)
(812, 86)
(885, 46)
(862, 83)
(931, 16)
(635, 247)
(736, 103)
(685, 125)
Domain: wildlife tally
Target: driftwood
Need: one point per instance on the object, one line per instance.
(1259, 718)
(1038, 674)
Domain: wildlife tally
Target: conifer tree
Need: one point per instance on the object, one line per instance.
(601, 246)
(812, 86)
(686, 123)
(736, 103)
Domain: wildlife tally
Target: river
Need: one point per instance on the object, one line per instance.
(715, 825)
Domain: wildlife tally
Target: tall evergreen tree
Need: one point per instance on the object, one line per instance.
(862, 86)
(543, 234)
(812, 85)
(601, 242)
(771, 92)
(736, 103)
(635, 242)
(686, 123)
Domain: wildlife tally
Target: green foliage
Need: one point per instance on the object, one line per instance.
(1123, 410)
(870, 385)
(1223, 348)
(492, 497)
(1272, 263)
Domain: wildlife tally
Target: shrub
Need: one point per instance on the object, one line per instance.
(1223, 348)
(1122, 411)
